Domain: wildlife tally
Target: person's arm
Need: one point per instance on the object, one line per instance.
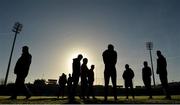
(150, 71)
(103, 55)
(165, 63)
(132, 74)
(157, 70)
(16, 68)
(123, 75)
(115, 57)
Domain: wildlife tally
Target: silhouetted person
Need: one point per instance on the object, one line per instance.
(69, 85)
(110, 59)
(91, 81)
(84, 83)
(162, 71)
(146, 76)
(128, 75)
(21, 70)
(76, 66)
(62, 84)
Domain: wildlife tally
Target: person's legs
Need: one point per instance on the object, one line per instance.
(132, 90)
(26, 91)
(69, 91)
(82, 89)
(113, 78)
(16, 88)
(59, 91)
(63, 89)
(164, 82)
(149, 89)
(106, 79)
(74, 86)
(89, 89)
(23, 88)
(92, 91)
(127, 92)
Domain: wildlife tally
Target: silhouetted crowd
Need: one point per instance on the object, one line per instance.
(86, 75)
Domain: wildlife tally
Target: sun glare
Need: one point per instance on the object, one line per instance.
(73, 55)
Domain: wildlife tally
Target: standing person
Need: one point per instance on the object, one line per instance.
(84, 83)
(21, 70)
(69, 85)
(75, 74)
(91, 81)
(146, 77)
(162, 71)
(128, 75)
(62, 84)
(110, 59)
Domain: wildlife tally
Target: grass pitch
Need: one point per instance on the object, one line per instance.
(98, 100)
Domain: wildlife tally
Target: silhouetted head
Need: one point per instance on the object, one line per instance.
(127, 66)
(158, 53)
(63, 74)
(85, 60)
(80, 56)
(145, 63)
(69, 75)
(92, 67)
(110, 47)
(25, 49)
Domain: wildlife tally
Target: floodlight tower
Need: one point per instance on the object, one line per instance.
(16, 29)
(149, 46)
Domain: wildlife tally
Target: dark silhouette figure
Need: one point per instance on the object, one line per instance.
(110, 59)
(62, 83)
(146, 77)
(69, 85)
(84, 83)
(128, 75)
(91, 81)
(162, 71)
(21, 70)
(76, 74)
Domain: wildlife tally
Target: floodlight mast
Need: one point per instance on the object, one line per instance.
(16, 29)
(149, 46)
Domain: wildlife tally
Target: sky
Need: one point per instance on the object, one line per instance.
(57, 30)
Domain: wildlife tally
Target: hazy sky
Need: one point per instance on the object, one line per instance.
(57, 30)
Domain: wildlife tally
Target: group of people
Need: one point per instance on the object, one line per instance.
(87, 75)
(87, 78)
(110, 59)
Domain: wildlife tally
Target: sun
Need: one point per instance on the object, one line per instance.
(74, 54)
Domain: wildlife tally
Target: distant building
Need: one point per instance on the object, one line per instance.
(40, 82)
(52, 82)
